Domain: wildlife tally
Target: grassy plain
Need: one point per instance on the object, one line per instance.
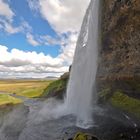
(7, 99)
(27, 88)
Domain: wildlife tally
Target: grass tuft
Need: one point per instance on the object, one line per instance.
(126, 103)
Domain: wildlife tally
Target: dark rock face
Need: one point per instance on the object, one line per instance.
(120, 51)
(119, 56)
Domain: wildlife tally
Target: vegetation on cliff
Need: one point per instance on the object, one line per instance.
(126, 103)
(120, 100)
(56, 88)
(118, 77)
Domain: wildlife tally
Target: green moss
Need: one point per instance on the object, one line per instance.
(126, 103)
(36, 92)
(55, 86)
(7, 99)
(104, 94)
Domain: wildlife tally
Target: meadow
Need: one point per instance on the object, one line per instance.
(27, 88)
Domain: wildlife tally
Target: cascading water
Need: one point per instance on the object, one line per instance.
(80, 91)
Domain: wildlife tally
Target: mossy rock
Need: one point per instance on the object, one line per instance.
(56, 89)
(118, 99)
(126, 103)
(104, 95)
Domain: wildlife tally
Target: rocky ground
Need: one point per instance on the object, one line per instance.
(26, 122)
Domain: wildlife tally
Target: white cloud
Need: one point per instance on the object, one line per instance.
(67, 44)
(68, 49)
(33, 4)
(5, 10)
(31, 40)
(10, 29)
(48, 40)
(18, 57)
(7, 19)
(63, 16)
(25, 27)
(17, 62)
(13, 75)
(7, 26)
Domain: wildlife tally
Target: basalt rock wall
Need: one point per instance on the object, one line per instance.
(119, 55)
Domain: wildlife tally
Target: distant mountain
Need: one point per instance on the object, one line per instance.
(51, 78)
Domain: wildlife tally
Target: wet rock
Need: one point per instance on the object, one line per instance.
(119, 54)
(120, 51)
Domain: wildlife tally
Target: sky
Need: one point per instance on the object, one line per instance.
(38, 37)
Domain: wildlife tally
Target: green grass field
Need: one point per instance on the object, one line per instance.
(7, 99)
(27, 88)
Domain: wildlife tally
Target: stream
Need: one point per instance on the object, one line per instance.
(32, 120)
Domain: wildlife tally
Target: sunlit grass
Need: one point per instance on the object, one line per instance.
(7, 99)
(29, 88)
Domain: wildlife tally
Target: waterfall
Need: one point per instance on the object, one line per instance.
(80, 92)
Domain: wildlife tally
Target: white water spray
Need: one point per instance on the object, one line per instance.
(80, 91)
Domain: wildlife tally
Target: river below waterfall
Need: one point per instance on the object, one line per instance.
(29, 121)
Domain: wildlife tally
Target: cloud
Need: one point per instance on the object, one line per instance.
(63, 16)
(7, 19)
(48, 40)
(13, 75)
(68, 49)
(17, 61)
(33, 4)
(7, 26)
(10, 29)
(15, 55)
(31, 40)
(6, 11)
(67, 44)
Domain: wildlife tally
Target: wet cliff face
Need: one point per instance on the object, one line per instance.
(119, 55)
(120, 35)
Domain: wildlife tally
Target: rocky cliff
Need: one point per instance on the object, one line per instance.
(119, 56)
(120, 39)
